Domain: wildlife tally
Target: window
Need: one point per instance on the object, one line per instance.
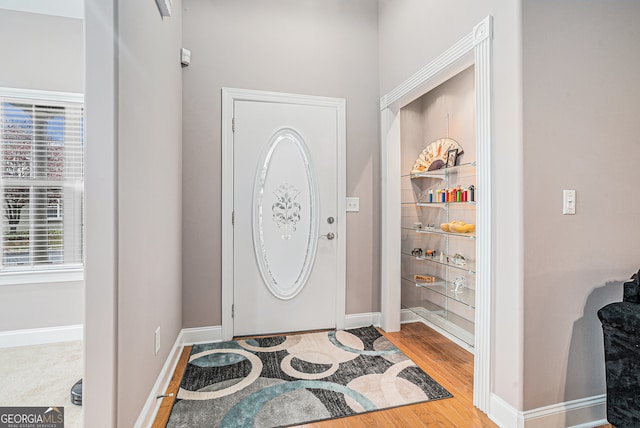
(41, 181)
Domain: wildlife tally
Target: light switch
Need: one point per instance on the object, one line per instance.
(353, 204)
(568, 202)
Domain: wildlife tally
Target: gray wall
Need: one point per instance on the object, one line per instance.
(582, 132)
(149, 197)
(412, 34)
(101, 212)
(44, 53)
(41, 52)
(133, 204)
(316, 47)
(41, 305)
(564, 280)
(425, 119)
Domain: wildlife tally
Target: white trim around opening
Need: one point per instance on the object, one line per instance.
(473, 49)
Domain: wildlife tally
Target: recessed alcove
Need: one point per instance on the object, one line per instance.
(445, 113)
(474, 49)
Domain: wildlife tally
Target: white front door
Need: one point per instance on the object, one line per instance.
(285, 204)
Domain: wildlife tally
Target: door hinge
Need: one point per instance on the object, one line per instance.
(233, 311)
(233, 124)
(233, 218)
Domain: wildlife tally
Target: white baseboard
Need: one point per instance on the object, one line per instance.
(151, 406)
(39, 336)
(407, 316)
(192, 336)
(187, 336)
(582, 413)
(362, 320)
(503, 414)
(419, 314)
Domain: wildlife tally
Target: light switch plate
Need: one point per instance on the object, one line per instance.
(568, 202)
(353, 204)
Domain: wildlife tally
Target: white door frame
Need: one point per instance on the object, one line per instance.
(474, 49)
(229, 96)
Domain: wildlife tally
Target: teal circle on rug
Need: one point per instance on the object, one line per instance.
(244, 413)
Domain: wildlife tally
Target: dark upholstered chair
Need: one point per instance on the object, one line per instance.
(621, 329)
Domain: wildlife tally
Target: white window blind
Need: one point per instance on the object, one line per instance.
(41, 183)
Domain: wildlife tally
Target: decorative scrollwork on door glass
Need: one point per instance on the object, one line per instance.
(286, 210)
(285, 216)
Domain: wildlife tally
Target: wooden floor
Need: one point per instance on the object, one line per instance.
(446, 362)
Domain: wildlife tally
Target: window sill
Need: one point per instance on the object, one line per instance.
(42, 276)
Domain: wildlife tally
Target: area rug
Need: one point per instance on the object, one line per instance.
(290, 380)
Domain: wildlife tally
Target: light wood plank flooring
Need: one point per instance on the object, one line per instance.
(446, 362)
(172, 390)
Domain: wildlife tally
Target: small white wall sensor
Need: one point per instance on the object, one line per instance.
(185, 57)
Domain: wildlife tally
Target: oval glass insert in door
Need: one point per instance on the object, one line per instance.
(285, 214)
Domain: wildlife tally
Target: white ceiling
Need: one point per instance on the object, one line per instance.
(68, 8)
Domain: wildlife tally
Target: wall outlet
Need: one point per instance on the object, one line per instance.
(157, 340)
(353, 204)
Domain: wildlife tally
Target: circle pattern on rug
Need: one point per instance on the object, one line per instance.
(256, 369)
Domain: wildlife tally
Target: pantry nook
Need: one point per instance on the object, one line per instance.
(471, 54)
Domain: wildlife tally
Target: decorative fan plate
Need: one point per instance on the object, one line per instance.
(434, 156)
